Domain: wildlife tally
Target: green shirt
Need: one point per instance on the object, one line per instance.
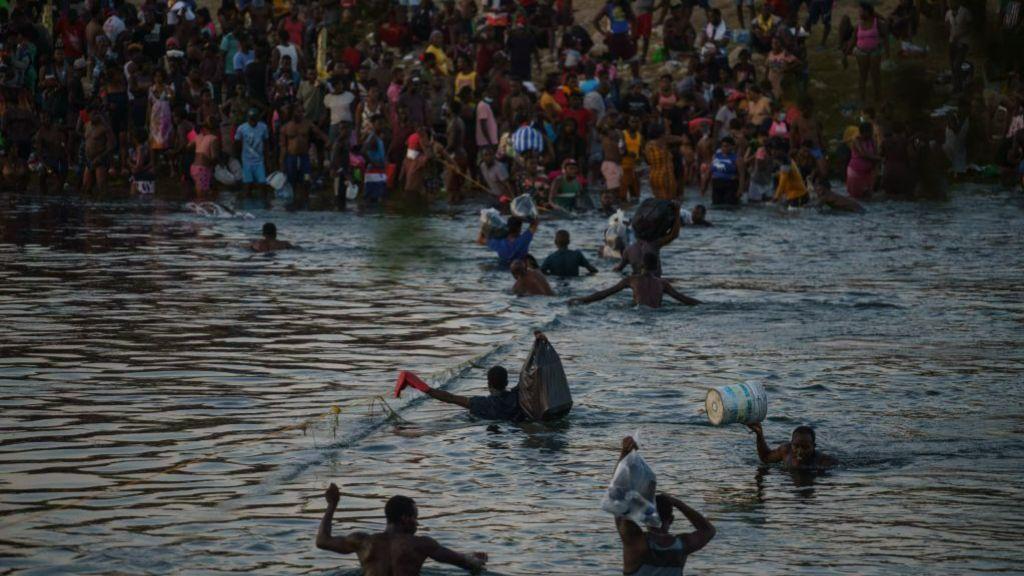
(564, 262)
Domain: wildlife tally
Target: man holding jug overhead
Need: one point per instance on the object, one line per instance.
(800, 453)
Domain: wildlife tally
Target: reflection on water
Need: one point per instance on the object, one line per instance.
(166, 395)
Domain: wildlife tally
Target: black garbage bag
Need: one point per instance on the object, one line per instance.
(654, 218)
(543, 389)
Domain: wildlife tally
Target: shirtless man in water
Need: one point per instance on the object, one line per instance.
(529, 281)
(100, 144)
(799, 453)
(269, 242)
(648, 289)
(396, 551)
(295, 141)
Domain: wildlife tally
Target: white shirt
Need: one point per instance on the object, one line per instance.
(340, 106)
(290, 51)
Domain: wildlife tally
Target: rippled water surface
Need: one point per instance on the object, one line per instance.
(166, 395)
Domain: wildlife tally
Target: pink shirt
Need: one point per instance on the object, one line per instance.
(485, 115)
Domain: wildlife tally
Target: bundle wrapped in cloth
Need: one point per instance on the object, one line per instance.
(654, 218)
(524, 207)
(631, 493)
(543, 388)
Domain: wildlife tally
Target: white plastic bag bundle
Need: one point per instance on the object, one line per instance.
(617, 236)
(524, 207)
(631, 493)
(491, 217)
(224, 176)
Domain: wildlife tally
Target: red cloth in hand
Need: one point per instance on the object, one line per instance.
(409, 379)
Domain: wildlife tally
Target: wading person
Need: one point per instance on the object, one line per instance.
(529, 281)
(800, 453)
(648, 289)
(269, 242)
(397, 551)
(658, 552)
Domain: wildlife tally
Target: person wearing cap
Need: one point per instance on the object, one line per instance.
(252, 137)
(413, 101)
(725, 174)
(567, 191)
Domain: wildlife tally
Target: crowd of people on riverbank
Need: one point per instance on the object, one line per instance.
(368, 101)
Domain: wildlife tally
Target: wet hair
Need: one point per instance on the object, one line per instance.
(515, 225)
(664, 506)
(269, 230)
(562, 238)
(399, 507)
(497, 378)
(650, 262)
(805, 430)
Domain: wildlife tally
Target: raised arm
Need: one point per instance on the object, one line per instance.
(767, 454)
(601, 294)
(472, 562)
(341, 544)
(704, 532)
(679, 296)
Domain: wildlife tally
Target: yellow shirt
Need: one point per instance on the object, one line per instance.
(549, 105)
(443, 65)
(791, 183)
(632, 144)
(463, 79)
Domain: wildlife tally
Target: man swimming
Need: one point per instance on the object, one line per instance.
(396, 551)
(657, 552)
(269, 242)
(797, 454)
(648, 289)
(529, 281)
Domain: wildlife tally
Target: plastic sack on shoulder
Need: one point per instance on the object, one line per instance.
(524, 207)
(631, 493)
(654, 218)
(543, 388)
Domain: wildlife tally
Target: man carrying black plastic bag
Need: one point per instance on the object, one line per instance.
(542, 392)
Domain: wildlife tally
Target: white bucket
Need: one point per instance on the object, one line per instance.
(746, 403)
(277, 180)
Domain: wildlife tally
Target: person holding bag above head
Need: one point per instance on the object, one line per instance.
(658, 552)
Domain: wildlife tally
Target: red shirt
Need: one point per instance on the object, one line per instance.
(352, 57)
(582, 117)
(72, 36)
(294, 28)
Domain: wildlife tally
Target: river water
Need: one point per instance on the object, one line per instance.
(167, 395)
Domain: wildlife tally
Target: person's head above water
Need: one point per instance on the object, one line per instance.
(803, 444)
(497, 379)
(562, 239)
(401, 514)
(270, 231)
(518, 269)
(699, 213)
